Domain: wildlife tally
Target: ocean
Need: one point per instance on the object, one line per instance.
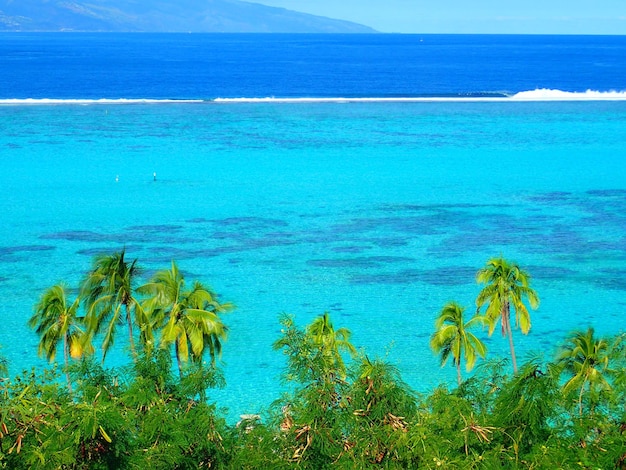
(367, 176)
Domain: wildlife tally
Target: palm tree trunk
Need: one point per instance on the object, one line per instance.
(506, 323)
(512, 347)
(66, 356)
(458, 372)
(130, 333)
(580, 399)
(203, 390)
(180, 365)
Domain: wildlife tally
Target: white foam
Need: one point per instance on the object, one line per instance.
(543, 94)
(46, 101)
(359, 100)
(547, 94)
(540, 94)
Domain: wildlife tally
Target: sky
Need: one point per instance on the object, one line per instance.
(472, 16)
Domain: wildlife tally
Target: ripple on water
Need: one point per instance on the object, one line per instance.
(227, 236)
(77, 236)
(362, 262)
(551, 272)
(413, 225)
(607, 192)
(605, 219)
(133, 235)
(445, 276)
(481, 240)
(251, 244)
(350, 249)
(560, 239)
(611, 278)
(250, 221)
(4, 250)
(10, 254)
(555, 197)
(162, 228)
(388, 242)
(434, 207)
(108, 250)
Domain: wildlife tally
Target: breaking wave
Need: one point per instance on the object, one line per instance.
(540, 94)
(38, 101)
(547, 94)
(543, 94)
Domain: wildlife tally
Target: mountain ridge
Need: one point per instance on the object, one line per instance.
(202, 16)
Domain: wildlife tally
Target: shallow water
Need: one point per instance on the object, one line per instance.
(376, 212)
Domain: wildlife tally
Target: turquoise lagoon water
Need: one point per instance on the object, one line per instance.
(376, 212)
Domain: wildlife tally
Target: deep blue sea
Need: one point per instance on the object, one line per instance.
(207, 66)
(367, 176)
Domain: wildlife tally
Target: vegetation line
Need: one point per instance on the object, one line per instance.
(344, 409)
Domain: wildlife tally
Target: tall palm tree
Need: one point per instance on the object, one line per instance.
(187, 318)
(56, 321)
(453, 338)
(506, 286)
(332, 342)
(108, 290)
(586, 359)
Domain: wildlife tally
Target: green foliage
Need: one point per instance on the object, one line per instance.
(453, 338)
(4, 368)
(381, 408)
(585, 359)
(331, 342)
(526, 406)
(108, 291)
(341, 409)
(144, 416)
(312, 414)
(56, 321)
(31, 406)
(171, 428)
(506, 286)
(188, 319)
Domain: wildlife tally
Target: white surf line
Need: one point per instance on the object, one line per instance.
(418, 100)
(538, 95)
(356, 100)
(547, 94)
(53, 101)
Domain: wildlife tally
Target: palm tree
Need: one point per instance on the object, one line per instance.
(586, 359)
(189, 319)
(56, 321)
(4, 369)
(453, 338)
(507, 285)
(331, 342)
(108, 290)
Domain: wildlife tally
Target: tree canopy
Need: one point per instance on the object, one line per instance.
(341, 408)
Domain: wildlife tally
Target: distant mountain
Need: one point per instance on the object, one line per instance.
(228, 16)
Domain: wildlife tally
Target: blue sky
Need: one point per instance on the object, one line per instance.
(472, 16)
